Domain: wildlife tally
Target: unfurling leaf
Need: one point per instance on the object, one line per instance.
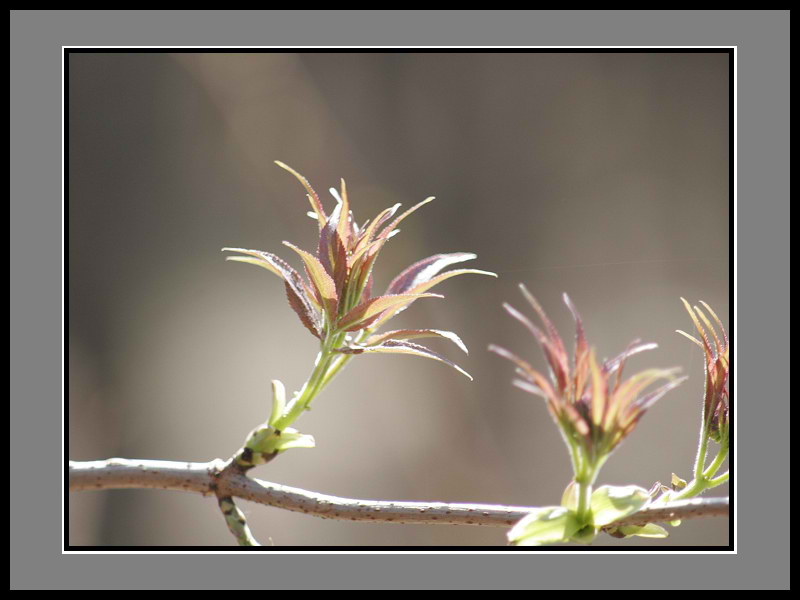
(265, 442)
(651, 530)
(612, 503)
(569, 498)
(278, 401)
(546, 525)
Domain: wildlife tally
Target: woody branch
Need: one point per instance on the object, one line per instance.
(222, 479)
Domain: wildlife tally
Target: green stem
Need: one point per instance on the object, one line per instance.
(719, 480)
(583, 489)
(310, 389)
(702, 451)
(704, 481)
(714, 466)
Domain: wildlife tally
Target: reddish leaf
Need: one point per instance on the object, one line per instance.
(411, 334)
(345, 228)
(560, 375)
(312, 195)
(424, 270)
(365, 313)
(323, 283)
(331, 251)
(617, 362)
(389, 228)
(426, 285)
(297, 293)
(533, 376)
(368, 233)
(555, 339)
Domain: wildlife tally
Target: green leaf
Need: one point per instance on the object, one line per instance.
(544, 526)
(612, 503)
(267, 441)
(278, 401)
(291, 438)
(651, 530)
(570, 497)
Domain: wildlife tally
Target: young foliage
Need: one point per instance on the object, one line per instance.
(335, 302)
(595, 409)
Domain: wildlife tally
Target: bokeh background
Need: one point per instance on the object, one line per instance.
(604, 175)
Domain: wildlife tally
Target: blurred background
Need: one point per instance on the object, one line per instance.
(603, 175)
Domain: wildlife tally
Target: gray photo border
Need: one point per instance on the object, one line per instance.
(36, 39)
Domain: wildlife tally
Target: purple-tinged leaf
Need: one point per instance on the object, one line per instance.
(560, 376)
(615, 363)
(298, 294)
(411, 334)
(323, 283)
(255, 258)
(385, 233)
(424, 270)
(719, 323)
(400, 347)
(362, 315)
(557, 343)
(628, 391)
(312, 195)
(275, 265)
(707, 347)
(599, 391)
(648, 400)
(368, 233)
(331, 251)
(344, 228)
(534, 376)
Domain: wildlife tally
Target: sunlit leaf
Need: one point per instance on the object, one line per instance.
(424, 270)
(612, 503)
(402, 347)
(651, 530)
(411, 334)
(300, 297)
(546, 525)
(278, 400)
(332, 253)
(364, 314)
(323, 283)
(424, 286)
(312, 195)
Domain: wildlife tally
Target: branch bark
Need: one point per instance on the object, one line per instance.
(222, 479)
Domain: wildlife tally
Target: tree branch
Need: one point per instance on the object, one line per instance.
(225, 479)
